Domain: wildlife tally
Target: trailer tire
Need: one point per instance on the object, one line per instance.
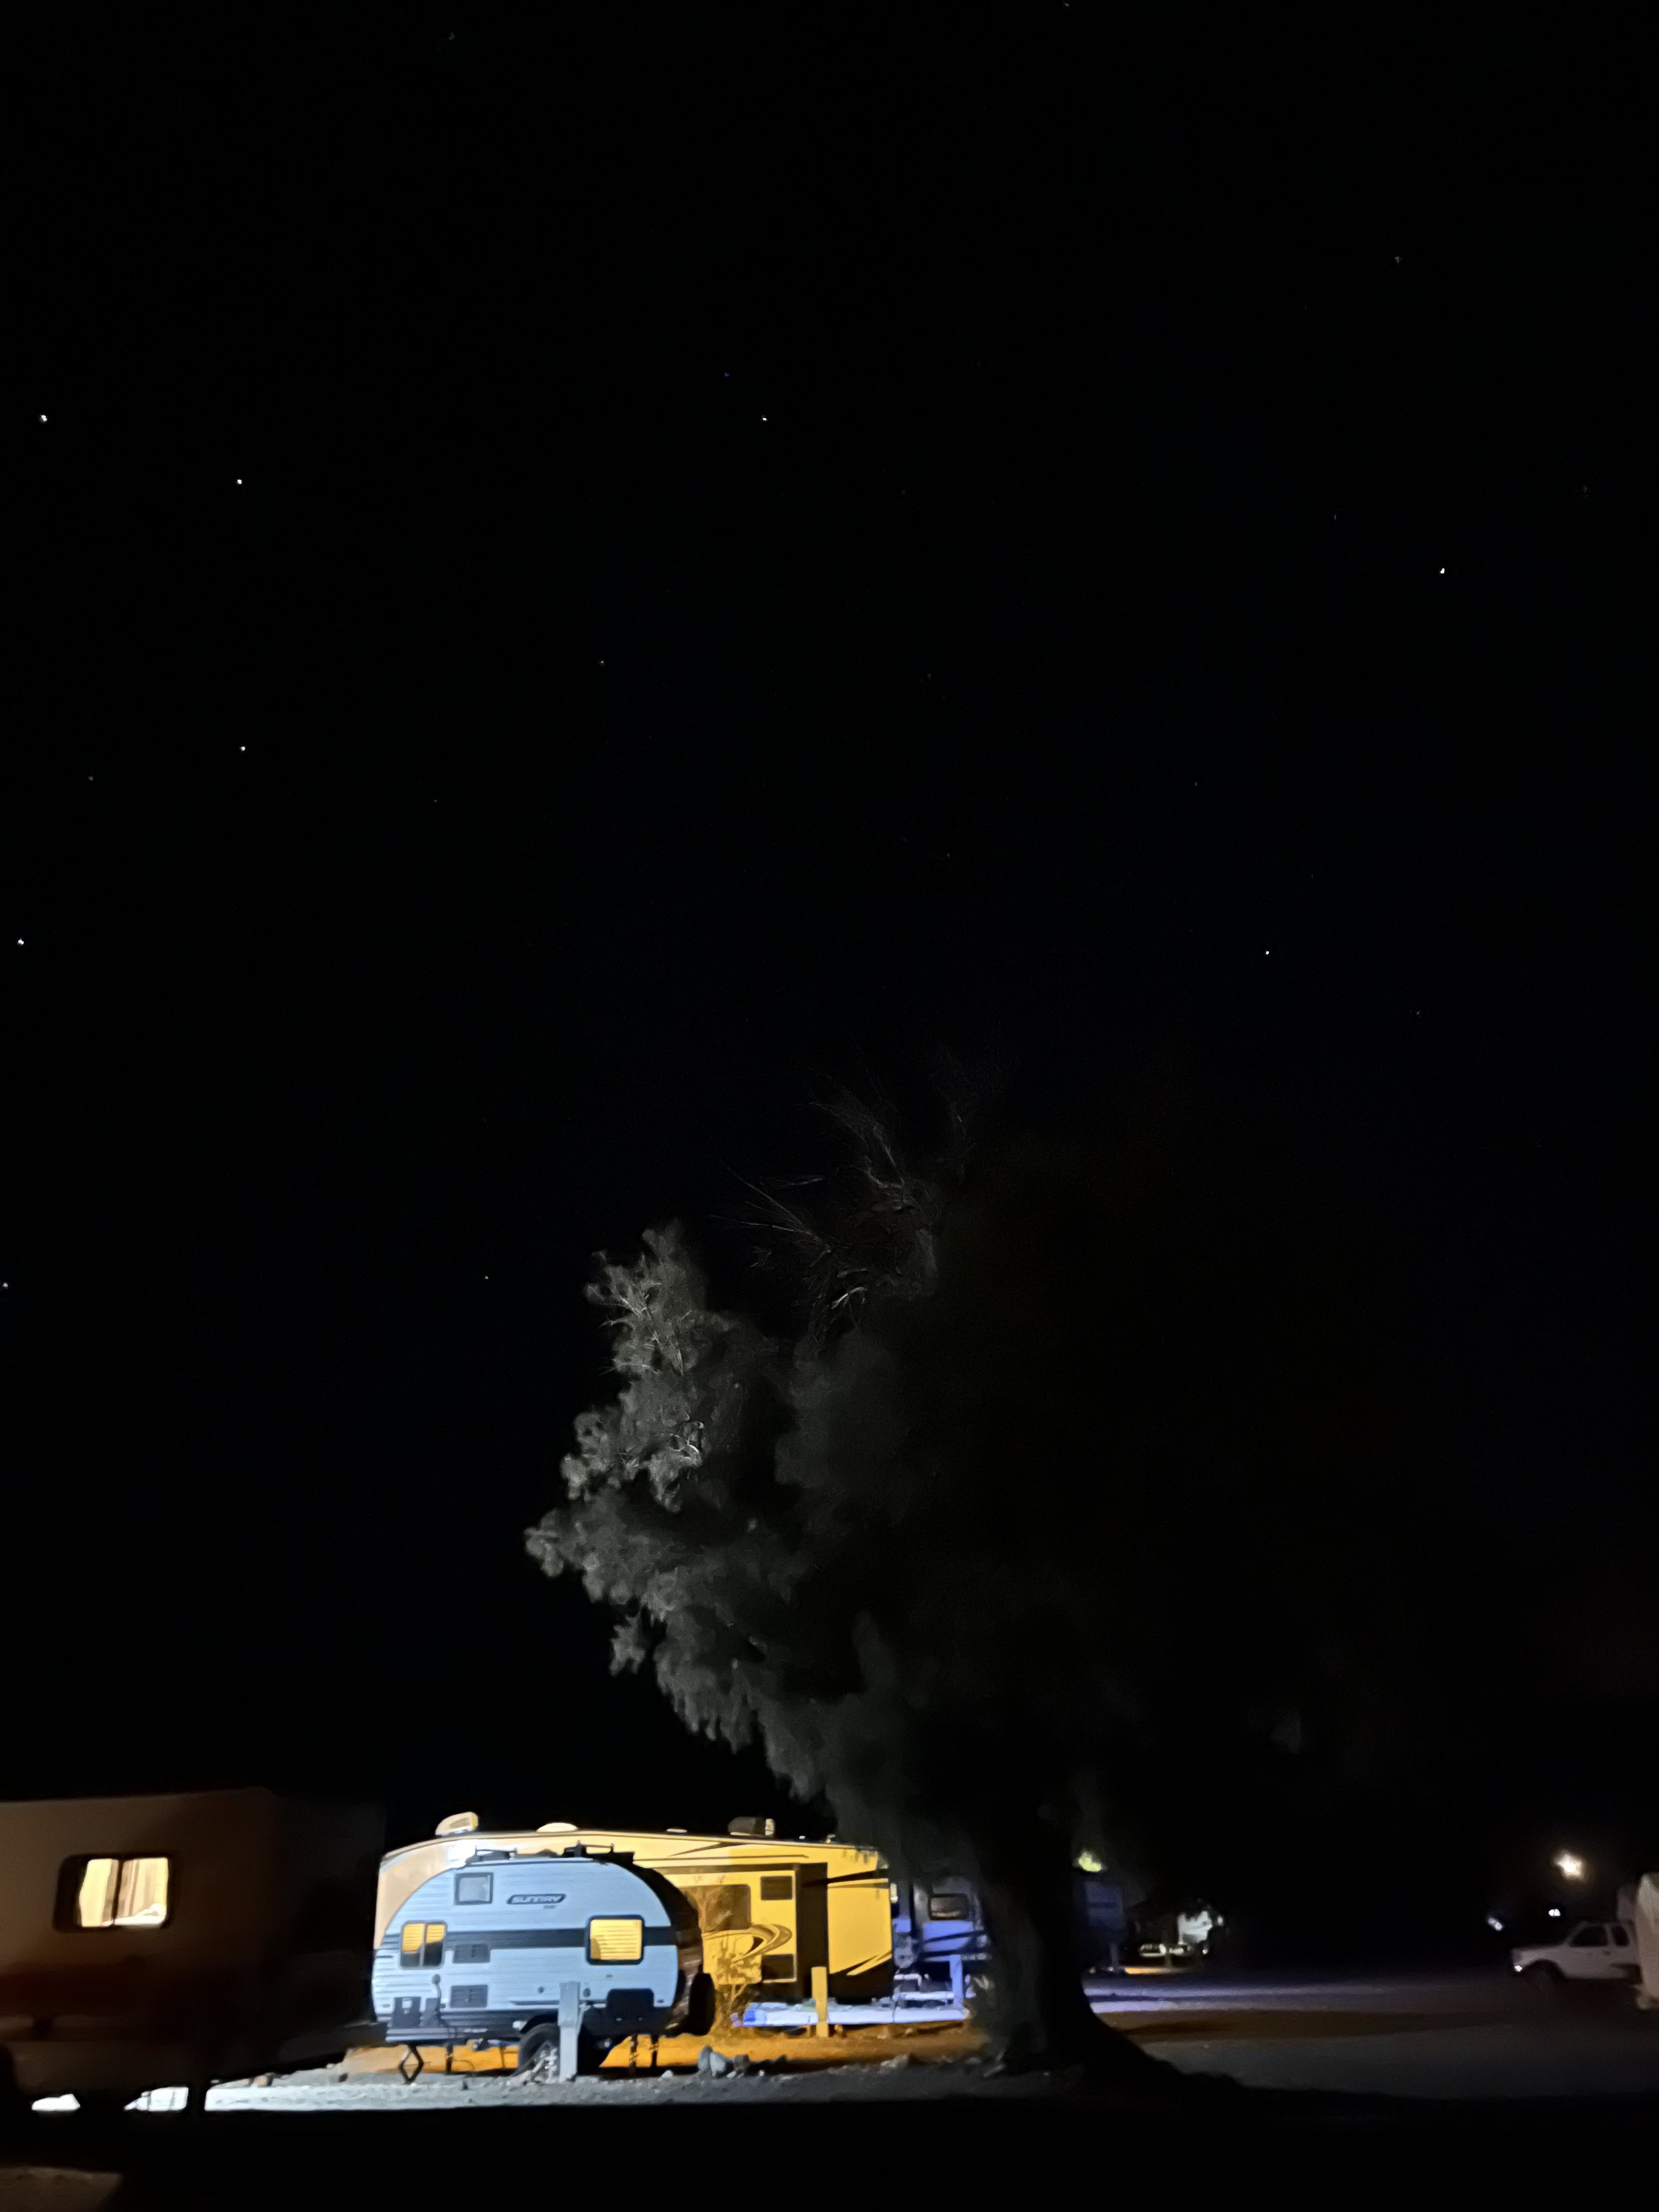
(537, 2039)
(701, 2005)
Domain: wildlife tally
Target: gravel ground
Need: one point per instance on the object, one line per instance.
(899, 2078)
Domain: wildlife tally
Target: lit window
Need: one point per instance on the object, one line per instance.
(111, 1893)
(615, 1942)
(422, 1943)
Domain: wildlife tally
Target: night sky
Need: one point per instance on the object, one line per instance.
(569, 587)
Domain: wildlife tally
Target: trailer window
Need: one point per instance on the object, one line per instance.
(474, 1889)
(778, 1967)
(615, 1942)
(111, 1893)
(723, 1906)
(777, 1888)
(422, 1943)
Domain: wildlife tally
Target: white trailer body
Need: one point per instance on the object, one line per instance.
(146, 1942)
(502, 1946)
(1644, 1926)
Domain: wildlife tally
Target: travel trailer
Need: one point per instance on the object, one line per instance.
(151, 1942)
(938, 1934)
(1644, 1924)
(938, 1927)
(553, 1950)
(771, 1911)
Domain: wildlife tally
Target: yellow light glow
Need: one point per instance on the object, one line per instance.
(141, 1899)
(122, 1893)
(615, 1942)
(95, 1905)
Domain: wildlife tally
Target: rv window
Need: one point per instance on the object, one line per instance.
(723, 1907)
(109, 1892)
(474, 1889)
(615, 1942)
(778, 1967)
(422, 1943)
(777, 1888)
(948, 1904)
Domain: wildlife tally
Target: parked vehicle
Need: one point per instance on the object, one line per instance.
(1644, 1929)
(938, 1929)
(566, 1950)
(1593, 1951)
(772, 1909)
(938, 1934)
(1104, 1910)
(153, 1942)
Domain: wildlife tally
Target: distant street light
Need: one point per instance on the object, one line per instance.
(1569, 1866)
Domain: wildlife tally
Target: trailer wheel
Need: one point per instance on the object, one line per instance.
(535, 2044)
(701, 2005)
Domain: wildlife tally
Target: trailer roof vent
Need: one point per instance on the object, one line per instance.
(458, 1823)
(747, 1824)
(557, 1828)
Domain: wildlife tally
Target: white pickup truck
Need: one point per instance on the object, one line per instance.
(1594, 1951)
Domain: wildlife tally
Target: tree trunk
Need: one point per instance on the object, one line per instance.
(1040, 2016)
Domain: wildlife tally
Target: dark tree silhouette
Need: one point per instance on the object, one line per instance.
(896, 1541)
